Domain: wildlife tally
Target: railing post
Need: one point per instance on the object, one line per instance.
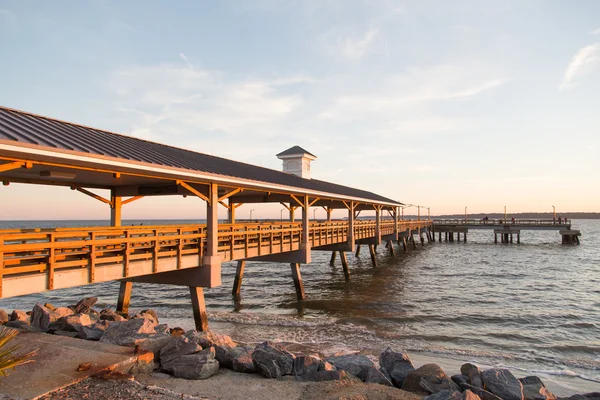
(395, 214)
(305, 243)
(51, 261)
(378, 225)
(92, 272)
(351, 241)
(1, 264)
(155, 252)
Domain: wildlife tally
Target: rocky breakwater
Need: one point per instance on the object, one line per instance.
(199, 355)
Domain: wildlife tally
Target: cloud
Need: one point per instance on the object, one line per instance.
(595, 32)
(582, 63)
(355, 48)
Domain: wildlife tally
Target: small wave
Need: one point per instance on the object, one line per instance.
(557, 372)
(271, 320)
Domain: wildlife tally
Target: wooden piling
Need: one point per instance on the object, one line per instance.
(345, 265)
(124, 296)
(332, 260)
(297, 277)
(239, 274)
(199, 308)
(357, 251)
(391, 247)
(404, 245)
(373, 255)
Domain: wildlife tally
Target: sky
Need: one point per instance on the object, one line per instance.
(443, 104)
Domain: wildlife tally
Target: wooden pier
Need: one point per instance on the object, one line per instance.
(43, 151)
(508, 230)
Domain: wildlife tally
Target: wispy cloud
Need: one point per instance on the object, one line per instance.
(582, 63)
(356, 47)
(595, 32)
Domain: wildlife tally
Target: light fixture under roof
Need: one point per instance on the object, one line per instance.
(58, 174)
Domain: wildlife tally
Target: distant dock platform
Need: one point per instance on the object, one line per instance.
(508, 229)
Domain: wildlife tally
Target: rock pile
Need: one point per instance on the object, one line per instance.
(199, 355)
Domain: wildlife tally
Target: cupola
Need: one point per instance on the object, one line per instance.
(296, 161)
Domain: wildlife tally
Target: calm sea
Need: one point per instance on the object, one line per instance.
(534, 306)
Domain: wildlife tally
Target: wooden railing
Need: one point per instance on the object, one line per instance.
(95, 254)
(502, 221)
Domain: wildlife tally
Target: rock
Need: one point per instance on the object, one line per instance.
(502, 383)
(429, 378)
(49, 306)
(208, 339)
(320, 376)
(482, 393)
(376, 376)
(24, 325)
(176, 348)
(459, 379)
(162, 328)
(125, 333)
(200, 365)
(473, 374)
(242, 360)
(154, 343)
(94, 331)
(84, 305)
(18, 315)
(150, 314)
(325, 366)
(110, 315)
(397, 364)
(224, 355)
(272, 361)
(72, 323)
(451, 395)
(42, 317)
(304, 364)
(534, 389)
(3, 317)
(355, 364)
(94, 315)
(176, 332)
(59, 332)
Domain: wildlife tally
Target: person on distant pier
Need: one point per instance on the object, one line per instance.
(513, 220)
(559, 220)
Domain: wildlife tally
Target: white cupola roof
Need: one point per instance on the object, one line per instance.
(296, 161)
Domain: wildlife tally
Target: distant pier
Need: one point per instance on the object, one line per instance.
(508, 230)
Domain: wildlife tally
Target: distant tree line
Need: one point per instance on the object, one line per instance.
(525, 215)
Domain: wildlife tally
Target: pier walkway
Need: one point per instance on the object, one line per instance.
(507, 229)
(118, 170)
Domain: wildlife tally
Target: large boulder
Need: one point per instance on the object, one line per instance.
(154, 343)
(109, 315)
(534, 389)
(72, 323)
(176, 348)
(429, 378)
(376, 376)
(20, 315)
(126, 333)
(272, 361)
(3, 317)
(502, 383)
(473, 374)
(42, 317)
(84, 305)
(324, 375)
(94, 331)
(482, 393)
(208, 339)
(199, 365)
(356, 364)
(304, 364)
(397, 364)
(452, 395)
(242, 360)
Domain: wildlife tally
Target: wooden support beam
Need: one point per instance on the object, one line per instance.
(93, 195)
(297, 277)
(131, 199)
(15, 165)
(124, 296)
(357, 251)
(211, 261)
(193, 191)
(239, 274)
(286, 206)
(332, 259)
(199, 308)
(345, 265)
(310, 204)
(373, 255)
(228, 195)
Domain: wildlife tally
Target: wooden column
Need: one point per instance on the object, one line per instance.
(351, 241)
(373, 255)
(297, 281)
(292, 212)
(414, 242)
(404, 245)
(211, 261)
(345, 265)
(395, 215)
(231, 212)
(357, 251)
(391, 247)
(332, 260)
(329, 210)
(421, 238)
(465, 237)
(199, 308)
(124, 296)
(239, 274)
(377, 225)
(115, 209)
(305, 245)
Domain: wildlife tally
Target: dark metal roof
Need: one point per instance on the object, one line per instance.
(23, 127)
(295, 150)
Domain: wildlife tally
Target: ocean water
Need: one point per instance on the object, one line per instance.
(533, 307)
